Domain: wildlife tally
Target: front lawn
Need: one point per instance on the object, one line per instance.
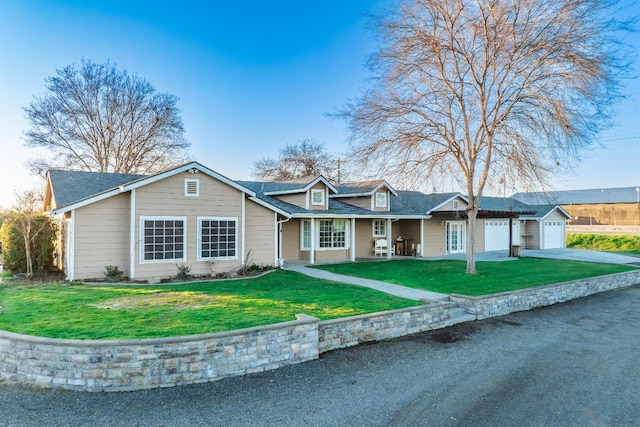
(119, 312)
(449, 276)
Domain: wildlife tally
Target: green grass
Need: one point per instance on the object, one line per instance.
(120, 312)
(625, 243)
(449, 276)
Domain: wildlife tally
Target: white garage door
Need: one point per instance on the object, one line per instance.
(553, 234)
(496, 234)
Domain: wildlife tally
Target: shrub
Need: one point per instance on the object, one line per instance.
(113, 273)
(183, 272)
(42, 246)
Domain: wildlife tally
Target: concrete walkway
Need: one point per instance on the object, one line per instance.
(581, 255)
(388, 288)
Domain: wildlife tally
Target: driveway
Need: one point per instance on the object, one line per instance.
(565, 365)
(582, 255)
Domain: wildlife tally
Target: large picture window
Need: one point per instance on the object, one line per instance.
(217, 238)
(333, 233)
(163, 238)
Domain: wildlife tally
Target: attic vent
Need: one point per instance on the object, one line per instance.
(456, 205)
(191, 187)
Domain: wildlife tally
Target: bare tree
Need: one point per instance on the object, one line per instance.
(26, 210)
(95, 117)
(307, 158)
(477, 90)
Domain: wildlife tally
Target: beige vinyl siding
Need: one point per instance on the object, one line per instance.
(166, 198)
(435, 238)
(449, 205)
(364, 238)
(363, 202)
(260, 235)
(101, 237)
(299, 200)
(480, 229)
(530, 234)
(332, 254)
(291, 241)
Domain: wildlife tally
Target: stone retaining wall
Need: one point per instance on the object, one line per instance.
(350, 331)
(526, 299)
(120, 365)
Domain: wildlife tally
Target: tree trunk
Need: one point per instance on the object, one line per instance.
(471, 240)
(27, 254)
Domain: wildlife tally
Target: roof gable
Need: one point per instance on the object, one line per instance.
(363, 188)
(79, 189)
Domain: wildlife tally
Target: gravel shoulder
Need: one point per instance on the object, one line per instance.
(569, 364)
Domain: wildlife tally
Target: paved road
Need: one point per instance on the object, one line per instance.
(567, 365)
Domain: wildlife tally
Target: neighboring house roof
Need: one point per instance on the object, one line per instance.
(582, 197)
(364, 188)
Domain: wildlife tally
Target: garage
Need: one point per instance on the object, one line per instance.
(496, 234)
(554, 234)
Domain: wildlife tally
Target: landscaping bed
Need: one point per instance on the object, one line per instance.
(449, 276)
(151, 311)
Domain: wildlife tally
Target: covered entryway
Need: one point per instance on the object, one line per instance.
(496, 234)
(554, 233)
(456, 237)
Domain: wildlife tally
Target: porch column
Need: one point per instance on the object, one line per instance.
(352, 250)
(389, 239)
(312, 241)
(421, 253)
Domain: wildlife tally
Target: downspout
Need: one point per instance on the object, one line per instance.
(278, 240)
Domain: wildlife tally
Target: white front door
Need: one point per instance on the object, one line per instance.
(455, 237)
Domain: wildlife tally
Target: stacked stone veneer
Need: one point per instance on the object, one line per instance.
(122, 365)
(119, 365)
(350, 331)
(525, 299)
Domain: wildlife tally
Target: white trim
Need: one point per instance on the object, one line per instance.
(352, 246)
(187, 181)
(71, 250)
(312, 250)
(162, 218)
(315, 191)
(422, 237)
(199, 220)
(243, 260)
(389, 242)
(132, 235)
(277, 237)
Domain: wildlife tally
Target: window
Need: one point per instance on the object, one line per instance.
(381, 200)
(333, 234)
(192, 187)
(456, 205)
(317, 197)
(305, 235)
(163, 238)
(217, 238)
(379, 228)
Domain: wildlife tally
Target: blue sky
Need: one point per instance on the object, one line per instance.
(252, 76)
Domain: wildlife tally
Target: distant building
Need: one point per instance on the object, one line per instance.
(600, 206)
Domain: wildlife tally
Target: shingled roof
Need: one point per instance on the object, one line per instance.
(72, 186)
